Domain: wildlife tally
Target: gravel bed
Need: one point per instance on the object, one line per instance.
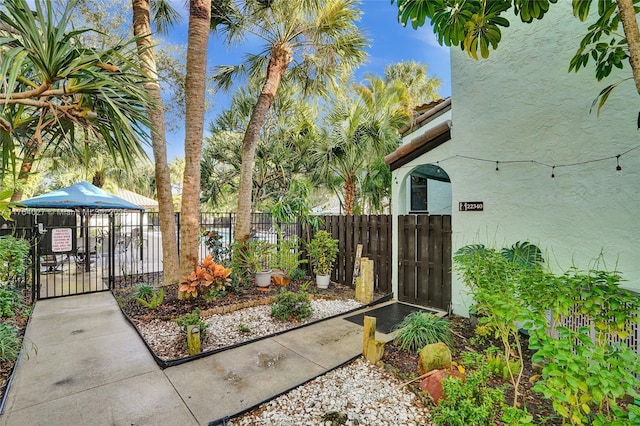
(223, 330)
(365, 393)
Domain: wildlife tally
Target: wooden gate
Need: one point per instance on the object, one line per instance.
(424, 260)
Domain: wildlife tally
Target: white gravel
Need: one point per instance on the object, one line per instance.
(165, 338)
(367, 394)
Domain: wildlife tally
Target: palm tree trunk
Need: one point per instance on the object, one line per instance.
(349, 195)
(278, 62)
(199, 21)
(632, 33)
(142, 27)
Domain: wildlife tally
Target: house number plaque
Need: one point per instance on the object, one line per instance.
(471, 206)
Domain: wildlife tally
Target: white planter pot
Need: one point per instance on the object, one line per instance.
(323, 281)
(263, 279)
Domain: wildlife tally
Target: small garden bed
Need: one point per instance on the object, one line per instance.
(15, 308)
(228, 319)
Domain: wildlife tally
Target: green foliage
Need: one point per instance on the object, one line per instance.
(153, 300)
(584, 372)
(419, 329)
(192, 319)
(469, 402)
(251, 257)
(584, 376)
(287, 256)
(513, 416)
(215, 244)
(323, 250)
(9, 342)
(290, 306)
(497, 365)
(475, 25)
(297, 274)
(497, 280)
(244, 328)
(14, 258)
(10, 301)
(143, 291)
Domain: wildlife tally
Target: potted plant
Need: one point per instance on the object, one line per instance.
(254, 256)
(323, 250)
(287, 259)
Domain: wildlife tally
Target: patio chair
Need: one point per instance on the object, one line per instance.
(51, 263)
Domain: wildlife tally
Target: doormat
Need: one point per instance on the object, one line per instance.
(389, 316)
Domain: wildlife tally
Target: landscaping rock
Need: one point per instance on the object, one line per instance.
(432, 384)
(435, 356)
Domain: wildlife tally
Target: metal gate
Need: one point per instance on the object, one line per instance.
(424, 260)
(88, 251)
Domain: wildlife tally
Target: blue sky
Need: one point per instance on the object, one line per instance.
(389, 43)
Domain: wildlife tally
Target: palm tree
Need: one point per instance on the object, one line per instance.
(362, 128)
(199, 24)
(280, 155)
(304, 40)
(421, 88)
(53, 86)
(142, 30)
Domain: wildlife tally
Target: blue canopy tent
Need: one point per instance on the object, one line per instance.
(82, 196)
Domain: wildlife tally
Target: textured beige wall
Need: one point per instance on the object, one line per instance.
(522, 104)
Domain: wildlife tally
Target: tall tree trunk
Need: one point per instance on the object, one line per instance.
(199, 21)
(349, 195)
(632, 33)
(142, 28)
(280, 59)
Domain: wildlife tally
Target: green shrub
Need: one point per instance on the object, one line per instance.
(143, 291)
(9, 342)
(499, 367)
(10, 301)
(419, 329)
(471, 402)
(297, 274)
(153, 301)
(14, 258)
(287, 256)
(192, 319)
(291, 306)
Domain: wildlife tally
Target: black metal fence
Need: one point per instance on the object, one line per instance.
(76, 252)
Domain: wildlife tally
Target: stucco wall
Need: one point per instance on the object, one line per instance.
(522, 104)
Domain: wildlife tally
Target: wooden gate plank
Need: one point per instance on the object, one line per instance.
(424, 277)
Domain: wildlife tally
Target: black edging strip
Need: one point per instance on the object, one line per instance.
(174, 362)
(223, 420)
(13, 369)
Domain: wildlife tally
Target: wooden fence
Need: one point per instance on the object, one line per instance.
(424, 257)
(374, 233)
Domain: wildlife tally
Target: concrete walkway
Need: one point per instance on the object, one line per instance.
(92, 368)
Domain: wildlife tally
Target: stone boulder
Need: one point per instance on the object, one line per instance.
(435, 356)
(432, 384)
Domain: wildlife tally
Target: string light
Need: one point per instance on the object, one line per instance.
(553, 172)
(536, 162)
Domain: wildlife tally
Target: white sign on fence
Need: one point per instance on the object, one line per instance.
(61, 240)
